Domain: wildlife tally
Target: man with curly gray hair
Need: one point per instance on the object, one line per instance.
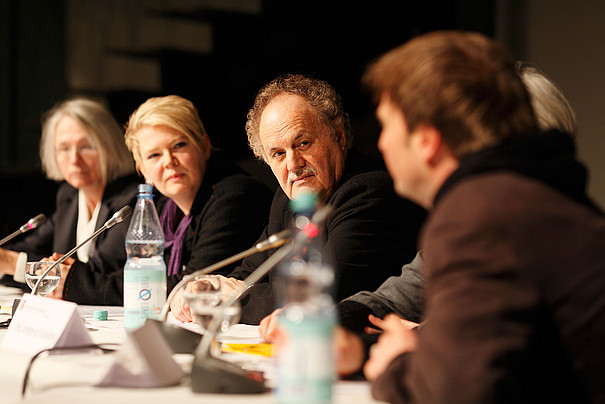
(299, 128)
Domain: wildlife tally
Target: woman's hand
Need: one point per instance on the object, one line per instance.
(65, 268)
(230, 286)
(181, 310)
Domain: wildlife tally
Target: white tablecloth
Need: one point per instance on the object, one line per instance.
(70, 378)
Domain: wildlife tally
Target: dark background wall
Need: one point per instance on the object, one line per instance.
(251, 43)
(220, 52)
(566, 40)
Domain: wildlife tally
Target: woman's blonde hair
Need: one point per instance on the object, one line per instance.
(172, 111)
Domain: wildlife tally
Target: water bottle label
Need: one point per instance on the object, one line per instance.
(144, 295)
(305, 362)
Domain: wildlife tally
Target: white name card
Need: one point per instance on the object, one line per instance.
(145, 360)
(42, 323)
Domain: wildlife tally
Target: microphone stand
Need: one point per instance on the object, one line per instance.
(115, 219)
(210, 374)
(258, 274)
(280, 254)
(30, 225)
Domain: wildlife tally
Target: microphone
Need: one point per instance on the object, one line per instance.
(118, 217)
(30, 225)
(115, 219)
(309, 231)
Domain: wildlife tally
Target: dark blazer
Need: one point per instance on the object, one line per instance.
(515, 281)
(58, 234)
(370, 235)
(229, 211)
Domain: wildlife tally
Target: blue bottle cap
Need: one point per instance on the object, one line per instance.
(145, 188)
(100, 315)
(304, 203)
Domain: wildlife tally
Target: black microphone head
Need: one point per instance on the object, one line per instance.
(119, 216)
(275, 240)
(36, 221)
(33, 223)
(123, 213)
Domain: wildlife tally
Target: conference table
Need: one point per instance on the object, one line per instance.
(74, 377)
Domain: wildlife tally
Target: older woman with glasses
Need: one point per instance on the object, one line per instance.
(82, 145)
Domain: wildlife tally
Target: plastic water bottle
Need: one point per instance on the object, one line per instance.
(305, 361)
(145, 270)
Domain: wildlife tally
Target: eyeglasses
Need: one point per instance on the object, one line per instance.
(84, 150)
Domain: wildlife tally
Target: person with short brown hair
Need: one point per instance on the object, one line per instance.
(514, 247)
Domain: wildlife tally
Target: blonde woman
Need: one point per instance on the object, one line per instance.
(209, 208)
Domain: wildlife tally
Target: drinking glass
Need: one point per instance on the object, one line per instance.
(33, 271)
(202, 295)
(205, 297)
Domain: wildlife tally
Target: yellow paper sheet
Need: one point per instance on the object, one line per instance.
(263, 349)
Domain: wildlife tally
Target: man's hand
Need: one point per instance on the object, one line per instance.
(65, 268)
(268, 326)
(180, 310)
(349, 352)
(378, 323)
(396, 339)
(348, 347)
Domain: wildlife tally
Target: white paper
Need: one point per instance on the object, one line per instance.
(241, 334)
(42, 323)
(145, 360)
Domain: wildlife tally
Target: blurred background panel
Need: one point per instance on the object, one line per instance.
(218, 53)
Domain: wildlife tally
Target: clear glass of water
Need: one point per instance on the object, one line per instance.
(202, 295)
(205, 297)
(33, 272)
